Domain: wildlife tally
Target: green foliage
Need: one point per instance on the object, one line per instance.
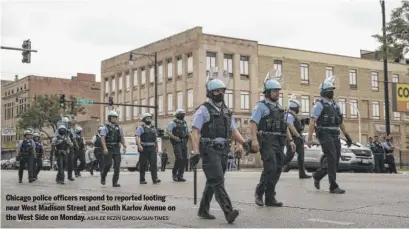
(45, 112)
(397, 33)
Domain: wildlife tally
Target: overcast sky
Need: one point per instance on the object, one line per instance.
(75, 36)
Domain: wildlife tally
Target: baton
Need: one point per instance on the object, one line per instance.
(195, 184)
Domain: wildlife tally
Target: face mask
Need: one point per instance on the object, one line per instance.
(61, 132)
(218, 98)
(147, 122)
(180, 117)
(329, 94)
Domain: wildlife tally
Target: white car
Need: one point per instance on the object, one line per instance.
(355, 158)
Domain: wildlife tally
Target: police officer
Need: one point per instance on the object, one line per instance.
(164, 159)
(296, 128)
(269, 136)
(112, 135)
(327, 120)
(79, 152)
(26, 155)
(390, 159)
(97, 142)
(379, 155)
(71, 152)
(212, 128)
(38, 163)
(178, 132)
(146, 137)
(62, 143)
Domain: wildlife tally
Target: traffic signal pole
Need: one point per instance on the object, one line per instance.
(26, 50)
(385, 72)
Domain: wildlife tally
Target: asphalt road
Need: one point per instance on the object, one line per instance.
(371, 200)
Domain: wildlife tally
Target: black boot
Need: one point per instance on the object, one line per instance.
(157, 181)
(103, 180)
(316, 183)
(231, 217)
(175, 178)
(143, 182)
(286, 169)
(274, 203)
(259, 199)
(205, 215)
(337, 191)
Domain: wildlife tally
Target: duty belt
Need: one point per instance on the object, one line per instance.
(328, 127)
(113, 144)
(214, 144)
(148, 143)
(265, 133)
(389, 154)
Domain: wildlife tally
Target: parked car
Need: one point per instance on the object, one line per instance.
(356, 158)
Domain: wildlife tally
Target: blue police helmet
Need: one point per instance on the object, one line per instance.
(215, 84)
(272, 84)
(293, 103)
(327, 86)
(179, 111)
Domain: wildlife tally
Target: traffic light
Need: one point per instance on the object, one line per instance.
(62, 101)
(111, 101)
(26, 54)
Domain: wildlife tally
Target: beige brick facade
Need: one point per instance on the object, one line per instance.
(261, 59)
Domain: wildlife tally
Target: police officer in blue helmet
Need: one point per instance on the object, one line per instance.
(178, 132)
(269, 135)
(26, 154)
(327, 120)
(213, 126)
(112, 135)
(66, 121)
(296, 127)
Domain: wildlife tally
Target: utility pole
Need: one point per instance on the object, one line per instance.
(385, 71)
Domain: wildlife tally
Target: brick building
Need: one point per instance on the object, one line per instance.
(185, 57)
(18, 95)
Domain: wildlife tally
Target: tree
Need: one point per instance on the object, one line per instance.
(45, 112)
(397, 33)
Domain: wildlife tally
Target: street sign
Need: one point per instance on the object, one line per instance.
(85, 101)
(8, 131)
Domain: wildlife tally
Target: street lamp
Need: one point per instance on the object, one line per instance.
(359, 120)
(155, 62)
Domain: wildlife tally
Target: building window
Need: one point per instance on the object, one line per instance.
(120, 82)
(160, 73)
(160, 104)
(244, 100)
(305, 104)
(170, 102)
(143, 109)
(395, 78)
(278, 65)
(375, 85)
(375, 109)
(128, 81)
(396, 115)
(121, 113)
(135, 78)
(304, 74)
(135, 110)
(170, 69)
(151, 103)
(352, 79)
(189, 63)
(280, 99)
(143, 76)
(180, 67)
(190, 99)
(354, 108)
(106, 86)
(179, 100)
(329, 71)
(244, 66)
(113, 84)
(106, 114)
(128, 112)
(210, 60)
(151, 75)
(228, 64)
(342, 106)
(228, 99)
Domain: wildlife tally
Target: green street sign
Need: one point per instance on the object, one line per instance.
(85, 101)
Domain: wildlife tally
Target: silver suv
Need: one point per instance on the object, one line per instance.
(355, 158)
